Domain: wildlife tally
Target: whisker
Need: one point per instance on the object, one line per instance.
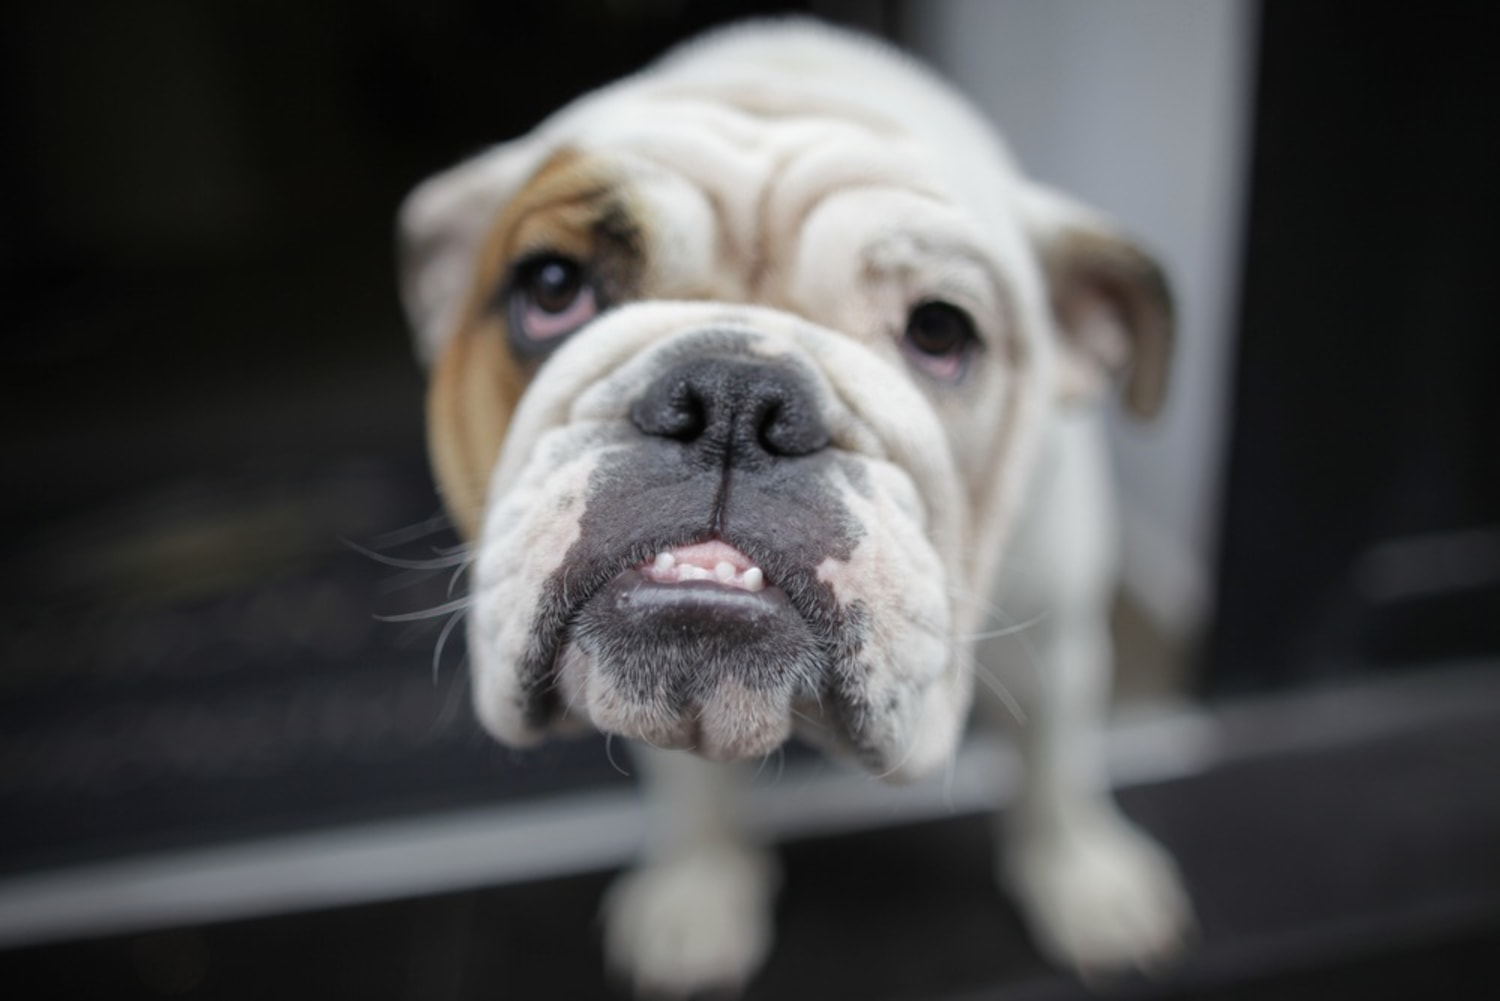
(448, 712)
(766, 757)
(403, 580)
(401, 536)
(609, 753)
(911, 745)
(430, 613)
(980, 601)
(456, 557)
(458, 573)
(570, 705)
(1007, 630)
(437, 653)
(1014, 629)
(995, 685)
(780, 755)
(804, 717)
(1028, 650)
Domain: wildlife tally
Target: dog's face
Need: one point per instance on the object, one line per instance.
(737, 372)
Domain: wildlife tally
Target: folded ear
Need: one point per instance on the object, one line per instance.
(1110, 302)
(440, 228)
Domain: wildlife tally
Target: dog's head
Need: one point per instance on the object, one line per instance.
(737, 370)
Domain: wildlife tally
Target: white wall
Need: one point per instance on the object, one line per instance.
(1141, 109)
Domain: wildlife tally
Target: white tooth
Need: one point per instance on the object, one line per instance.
(691, 572)
(664, 562)
(724, 571)
(754, 579)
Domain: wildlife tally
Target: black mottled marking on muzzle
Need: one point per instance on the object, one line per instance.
(669, 645)
(847, 701)
(636, 505)
(761, 480)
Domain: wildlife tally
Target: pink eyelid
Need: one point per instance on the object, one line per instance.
(540, 325)
(944, 368)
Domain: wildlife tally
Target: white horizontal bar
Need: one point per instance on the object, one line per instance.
(589, 831)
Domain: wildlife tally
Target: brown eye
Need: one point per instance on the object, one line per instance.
(553, 284)
(939, 339)
(551, 296)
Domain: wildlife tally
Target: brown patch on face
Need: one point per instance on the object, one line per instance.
(475, 387)
(572, 207)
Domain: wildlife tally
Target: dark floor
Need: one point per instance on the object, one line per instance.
(1366, 871)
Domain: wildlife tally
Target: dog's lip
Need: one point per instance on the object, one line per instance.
(700, 602)
(713, 561)
(631, 572)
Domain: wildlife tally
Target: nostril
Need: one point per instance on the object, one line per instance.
(741, 411)
(787, 427)
(671, 409)
(766, 432)
(686, 416)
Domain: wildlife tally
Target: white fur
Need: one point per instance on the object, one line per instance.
(1098, 892)
(912, 520)
(834, 184)
(697, 914)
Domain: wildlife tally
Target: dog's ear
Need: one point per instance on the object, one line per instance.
(1110, 302)
(439, 231)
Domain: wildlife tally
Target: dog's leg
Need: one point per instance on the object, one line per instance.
(1098, 893)
(696, 913)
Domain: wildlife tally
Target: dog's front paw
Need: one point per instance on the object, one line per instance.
(1099, 895)
(699, 923)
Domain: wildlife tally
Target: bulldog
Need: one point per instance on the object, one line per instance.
(761, 383)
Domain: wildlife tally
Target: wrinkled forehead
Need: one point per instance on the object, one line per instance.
(745, 159)
(720, 199)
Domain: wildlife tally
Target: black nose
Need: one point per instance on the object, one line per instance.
(733, 411)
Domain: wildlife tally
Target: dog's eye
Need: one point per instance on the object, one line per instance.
(550, 298)
(939, 340)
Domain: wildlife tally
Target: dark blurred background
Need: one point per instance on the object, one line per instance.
(211, 389)
(209, 394)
